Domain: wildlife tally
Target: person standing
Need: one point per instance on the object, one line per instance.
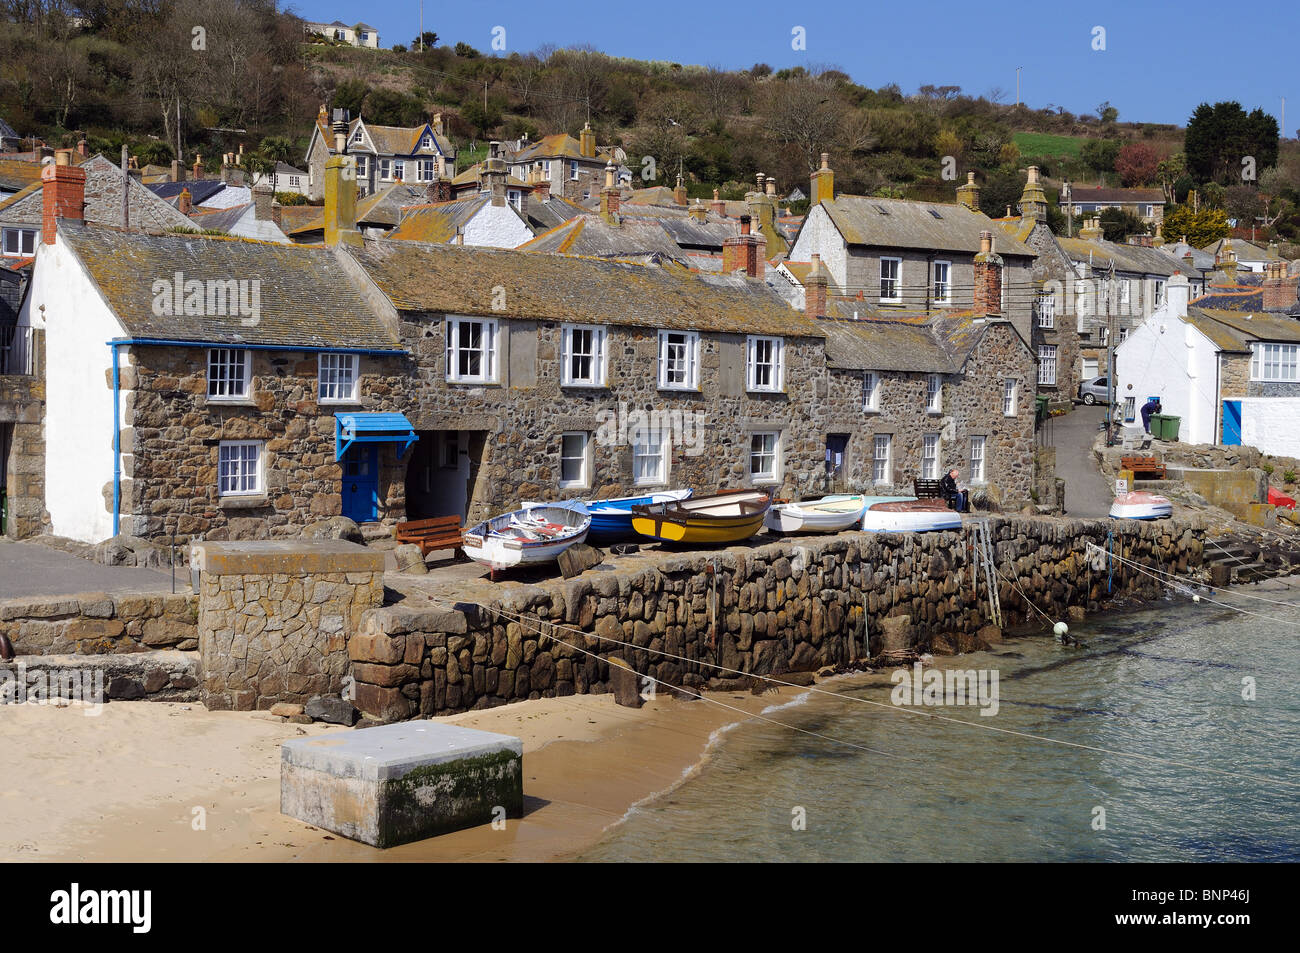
(952, 493)
(1150, 407)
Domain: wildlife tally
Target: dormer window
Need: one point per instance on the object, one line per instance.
(426, 142)
(358, 135)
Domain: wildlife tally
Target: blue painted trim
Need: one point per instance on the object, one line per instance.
(163, 342)
(345, 437)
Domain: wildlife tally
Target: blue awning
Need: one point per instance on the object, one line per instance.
(371, 427)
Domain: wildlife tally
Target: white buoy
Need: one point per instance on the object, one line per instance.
(1196, 598)
(1060, 629)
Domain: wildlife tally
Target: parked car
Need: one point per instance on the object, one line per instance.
(1093, 391)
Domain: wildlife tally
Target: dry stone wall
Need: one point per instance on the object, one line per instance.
(98, 623)
(791, 606)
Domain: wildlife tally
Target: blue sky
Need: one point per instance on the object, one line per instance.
(1161, 59)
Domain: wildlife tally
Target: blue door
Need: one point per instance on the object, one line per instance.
(361, 483)
(1231, 423)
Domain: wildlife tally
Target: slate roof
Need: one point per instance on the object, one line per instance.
(307, 298)
(1081, 194)
(1242, 249)
(7, 131)
(684, 230)
(1236, 330)
(379, 209)
(556, 210)
(103, 201)
(437, 222)
(560, 145)
(1137, 259)
(884, 346)
(200, 189)
(388, 140)
(471, 177)
(590, 234)
(451, 279)
(17, 174)
(1201, 261)
(899, 223)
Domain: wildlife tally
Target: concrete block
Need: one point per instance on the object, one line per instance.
(395, 784)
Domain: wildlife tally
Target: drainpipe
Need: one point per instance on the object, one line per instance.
(117, 442)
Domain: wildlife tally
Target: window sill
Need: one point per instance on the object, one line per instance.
(250, 502)
(339, 403)
(774, 391)
(575, 385)
(678, 390)
(242, 402)
(469, 383)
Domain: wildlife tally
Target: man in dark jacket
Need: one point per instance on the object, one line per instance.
(954, 494)
(1150, 407)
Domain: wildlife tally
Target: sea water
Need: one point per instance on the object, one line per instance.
(1152, 700)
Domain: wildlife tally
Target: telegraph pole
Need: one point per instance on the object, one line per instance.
(1110, 360)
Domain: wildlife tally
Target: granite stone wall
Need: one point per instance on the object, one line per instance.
(98, 623)
(791, 606)
(22, 414)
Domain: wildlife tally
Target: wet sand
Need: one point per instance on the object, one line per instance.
(169, 782)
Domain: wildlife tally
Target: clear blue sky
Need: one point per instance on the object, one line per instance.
(1161, 59)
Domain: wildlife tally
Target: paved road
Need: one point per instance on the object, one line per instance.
(1087, 494)
(29, 569)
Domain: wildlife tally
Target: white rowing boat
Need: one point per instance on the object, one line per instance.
(534, 534)
(830, 514)
(910, 516)
(1141, 505)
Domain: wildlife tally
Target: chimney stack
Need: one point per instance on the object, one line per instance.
(760, 177)
(494, 177)
(63, 196)
(610, 195)
(698, 212)
(1033, 200)
(185, 202)
(341, 194)
(178, 170)
(771, 186)
(823, 182)
(719, 206)
(83, 148)
(1279, 288)
(587, 142)
(969, 194)
(541, 188)
(275, 212)
(679, 193)
(263, 196)
(815, 287)
(439, 190)
(1092, 230)
(1177, 294)
(747, 251)
(988, 278)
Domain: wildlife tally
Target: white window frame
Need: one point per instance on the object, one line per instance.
(598, 355)
(22, 237)
(334, 370)
(227, 447)
(1047, 364)
(882, 464)
(488, 348)
(895, 282)
(584, 477)
(426, 170)
(650, 440)
(228, 360)
(363, 166)
(934, 394)
(690, 360)
(1130, 409)
(870, 392)
(1159, 292)
(358, 134)
(1273, 362)
(1010, 396)
(426, 141)
(399, 170)
(930, 456)
(1047, 311)
(772, 475)
(386, 170)
(573, 170)
(945, 285)
(978, 461)
(774, 365)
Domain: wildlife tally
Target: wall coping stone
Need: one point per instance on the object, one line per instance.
(287, 557)
(393, 751)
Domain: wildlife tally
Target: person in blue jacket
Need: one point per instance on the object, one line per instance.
(1150, 407)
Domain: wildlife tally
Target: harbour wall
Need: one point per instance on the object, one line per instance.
(796, 605)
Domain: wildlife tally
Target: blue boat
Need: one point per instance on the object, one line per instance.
(611, 520)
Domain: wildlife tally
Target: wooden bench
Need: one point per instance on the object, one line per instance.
(1143, 465)
(927, 489)
(441, 532)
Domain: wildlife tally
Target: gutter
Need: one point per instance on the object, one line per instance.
(118, 343)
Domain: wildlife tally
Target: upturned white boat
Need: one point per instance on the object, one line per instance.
(830, 514)
(534, 534)
(1141, 505)
(909, 516)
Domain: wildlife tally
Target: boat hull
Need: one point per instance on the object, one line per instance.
(611, 520)
(828, 515)
(1141, 506)
(910, 516)
(704, 521)
(492, 543)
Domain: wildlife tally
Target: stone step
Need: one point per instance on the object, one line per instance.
(161, 675)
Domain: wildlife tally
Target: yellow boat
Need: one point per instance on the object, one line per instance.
(704, 520)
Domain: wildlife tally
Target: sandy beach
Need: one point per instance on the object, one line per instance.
(174, 782)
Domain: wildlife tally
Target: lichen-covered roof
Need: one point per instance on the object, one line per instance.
(682, 228)
(592, 235)
(1136, 259)
(556, 210)
(884, 346)
(561, 145)
(103, 201)
(452, 279)
(305, 295)
(438, 222)
(471, 177)
(16, 174)
(379, 209)
(1242, 250)
(1236, 330)
(933, 226)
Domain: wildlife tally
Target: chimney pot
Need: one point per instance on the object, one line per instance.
(815, 289)
(822, 185)
(744, 224)
(63, 196)
(185, 202)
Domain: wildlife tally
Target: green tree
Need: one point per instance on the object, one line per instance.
(1117, 224)
(1223, 139)
(1200, 228)
(483, 118)
(388, 107)
(466, 52)
(428, 39)
(350, 95)
(1100, 154)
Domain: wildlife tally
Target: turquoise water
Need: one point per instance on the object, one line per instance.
(1165, 681)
